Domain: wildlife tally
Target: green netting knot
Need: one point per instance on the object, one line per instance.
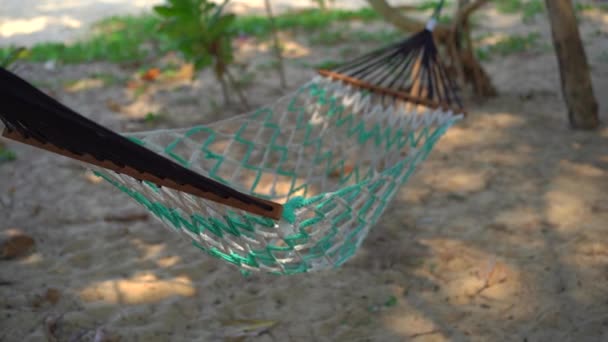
(289, 208)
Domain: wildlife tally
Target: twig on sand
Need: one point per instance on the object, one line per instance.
(50, 327)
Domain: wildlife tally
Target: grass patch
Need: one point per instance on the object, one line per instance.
(508, 45)
(134, 38)
(348, 35)
(327, 64)
(6, 155)
(529, 9)
(307, 20)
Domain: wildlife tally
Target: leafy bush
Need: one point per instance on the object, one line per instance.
(203, 33)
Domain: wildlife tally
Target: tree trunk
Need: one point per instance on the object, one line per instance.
(577, 87)
(277, 45)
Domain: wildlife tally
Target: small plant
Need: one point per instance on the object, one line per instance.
(6, 155)
(431, 5)
(152, 117)
(328, 38)
(508, 45)
(11, 56)
(327, 64)
(203, 33)
(529, 9)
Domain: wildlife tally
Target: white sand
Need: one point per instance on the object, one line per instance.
(501, 235)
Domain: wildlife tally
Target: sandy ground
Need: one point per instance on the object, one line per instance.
(500, 236)
(27, 22)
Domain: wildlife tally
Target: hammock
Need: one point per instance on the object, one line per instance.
(291, 187)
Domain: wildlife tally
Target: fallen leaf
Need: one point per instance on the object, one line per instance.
(52, 295)
(113, 106)
(185, 72)
(346, 170)
(133, 85)
(151, 75)
(16, 246)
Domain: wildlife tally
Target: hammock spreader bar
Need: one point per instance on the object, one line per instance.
(409, 70)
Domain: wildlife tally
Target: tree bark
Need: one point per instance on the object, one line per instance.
(577, 87)
(277, 45)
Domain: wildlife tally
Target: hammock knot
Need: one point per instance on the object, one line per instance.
(290, 207)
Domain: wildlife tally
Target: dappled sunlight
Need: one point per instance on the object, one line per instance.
(500, 232)
(155, 252)
(293, 49)
(84, 84)
(572, 193)
(148, 251)
(412, 323)
(470, 284)
(169, 261)
(479, 130)
(139, 289)
(141, 107)
(33, 259)
(597, 16)
(493, 39)
(289, 46)
(457, 180)
(92, 178)
(501, 21)
(525, 219)
(276, 186)
(499, 120)
(466, 271)
(14, 27)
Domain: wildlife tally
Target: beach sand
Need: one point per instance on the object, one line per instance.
(501, 235)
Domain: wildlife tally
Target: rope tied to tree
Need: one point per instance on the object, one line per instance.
(430, 25)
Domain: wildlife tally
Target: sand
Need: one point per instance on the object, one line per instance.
(500, 236)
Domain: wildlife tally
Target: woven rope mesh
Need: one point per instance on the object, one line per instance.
(333, 154)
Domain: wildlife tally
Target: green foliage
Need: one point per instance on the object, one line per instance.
(11, 55)
(528, 8)
(200, 30)
(6, 155)
(116, 39)
(431, 5)
(508, 46)
(152, 117)
(134, 38)
(329, 37)
(391, 301)
(383, 36)
(327, 64)
(307, 20)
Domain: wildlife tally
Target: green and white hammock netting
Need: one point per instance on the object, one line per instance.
(333, 154)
